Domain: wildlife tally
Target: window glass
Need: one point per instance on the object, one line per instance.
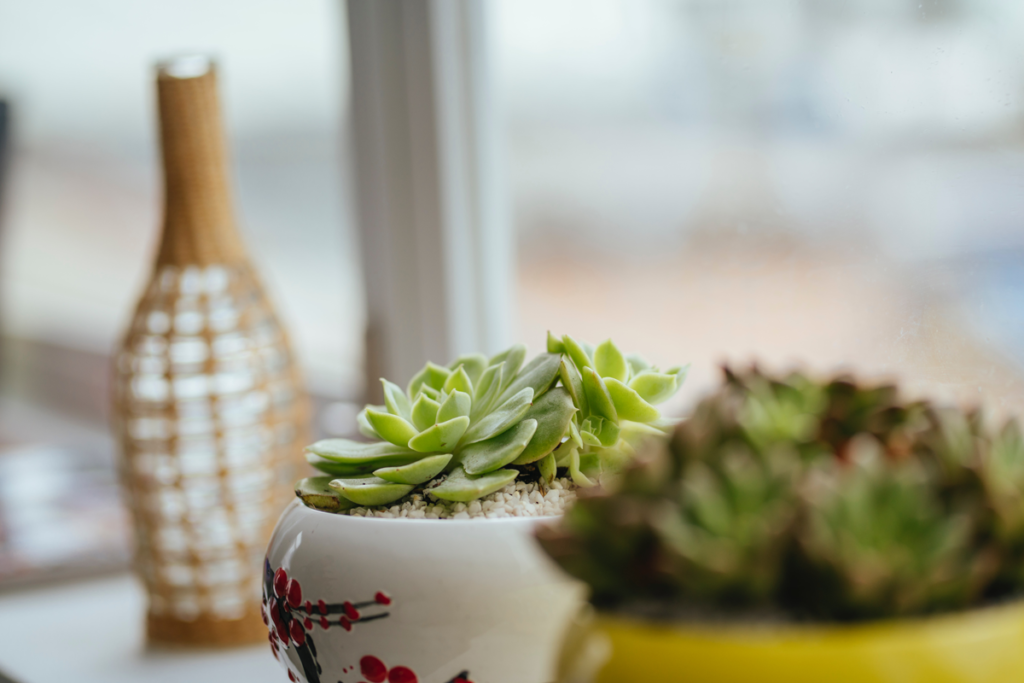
(84, 201)
(824, 183)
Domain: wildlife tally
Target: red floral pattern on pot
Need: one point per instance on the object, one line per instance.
(292, 622)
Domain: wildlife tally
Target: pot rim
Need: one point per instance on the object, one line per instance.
(1010, 610)
(407, 520)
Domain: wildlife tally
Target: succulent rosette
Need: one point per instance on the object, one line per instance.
(462, 431)
(820, 499)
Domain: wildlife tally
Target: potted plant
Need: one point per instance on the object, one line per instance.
(412, 558)
(795, 530)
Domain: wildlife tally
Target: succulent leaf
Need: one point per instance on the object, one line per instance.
(473, 363)
(578, 477)
(562, 452)
(609, 361)
(365, 428)
(539, 374)
(501, 418)
(487, 390)
(459, 381)
(597, 395)
(662, 424)
(513, 358)
(555, 344)
(628, 403)
(593, 462)
(391, 427)
(680, 371)
(348, 452)
(396, 401)
(548, 467)
(339, 469)
(418, 381)
(609, 459)
(433, 376)
(577, 353)
(457, 404)
(634, 431)
(572, 381)
(442, 437)
(589, 438)
(655, 387)
(606, 431)
(424, 412)
(414, 473)
(637, 364)
(574, 433)
(553, 412)
(462, 488)
(498, 451)
(370, 491)
(316, 493)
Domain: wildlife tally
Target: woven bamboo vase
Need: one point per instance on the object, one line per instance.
(208, 404)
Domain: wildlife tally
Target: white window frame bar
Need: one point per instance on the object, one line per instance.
(433, 212)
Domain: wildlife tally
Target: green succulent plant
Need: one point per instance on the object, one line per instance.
(462, 431)
(826, 499)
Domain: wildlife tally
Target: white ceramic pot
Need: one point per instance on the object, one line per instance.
(353, 600)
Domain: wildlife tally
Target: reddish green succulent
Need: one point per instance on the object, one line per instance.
(830, 500)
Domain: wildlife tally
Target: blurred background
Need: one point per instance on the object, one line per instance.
(836, 184)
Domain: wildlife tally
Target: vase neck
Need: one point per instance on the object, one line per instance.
(198, 217)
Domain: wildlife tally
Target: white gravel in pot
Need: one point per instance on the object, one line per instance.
(518, 499)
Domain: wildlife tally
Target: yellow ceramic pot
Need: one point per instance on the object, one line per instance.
(981, 646)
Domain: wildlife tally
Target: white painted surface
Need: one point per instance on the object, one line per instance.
(92, 632)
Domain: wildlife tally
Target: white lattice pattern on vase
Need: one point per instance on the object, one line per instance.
(209, 414)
